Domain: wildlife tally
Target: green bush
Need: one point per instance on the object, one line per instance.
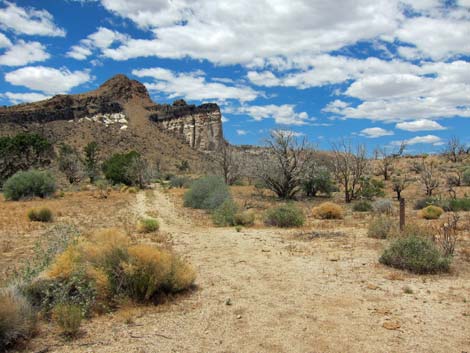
(69, 318)
(28, 184)
(22, 152)
(285, 216)
(466, 177)
(371, 188)
(224, 215)
(362, 206)
(431, 212)
(40, 215)
(383, 206)
(17, 318)
(245, 218)
(457, 205)
(120, 168)
(381, 227)
(415, 254)
(319, 183)
(207, 193)
(148, 225)
(179, 182)
(427, 201)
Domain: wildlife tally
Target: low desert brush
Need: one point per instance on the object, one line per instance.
(148, 225)
(17, 318)
(285, 216)
(362, 206)
(381, 227)
(40, 215)
(431, 212)
(93, 271)
(415, 254)
(69, 318)
(328, 210)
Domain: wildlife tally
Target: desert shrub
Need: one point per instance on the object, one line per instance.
(207, 193)
(427, 201)
(148, 225)
(224, 215)
(179, 181)
(456, 205)
(431, 212)
(466, 177)
(381, 227)
(124, 168)
(371, 188)
(383, 206)
(319, 182)
(328, 210)
(32, 183)
(92, 272)
(244, 218)
(22, 152)
(415, 254)
(285, 216)
(69, 318)
(17, 318)
(40, 215)
(362, 206)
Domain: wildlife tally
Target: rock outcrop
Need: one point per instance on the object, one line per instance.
(123, 104)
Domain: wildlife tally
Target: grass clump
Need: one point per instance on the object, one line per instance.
(285, 216)
(148, 225)
(29, 184)
(328, 210)
(17, 318)
(244, 218)
(381, 227)
(69, 318)
(207, 193)
(94, 272)
(40, 215)
(431, 212)
(415, 254)
(224, 215)
(457, 205)
(383, 206)
(179, 181)
(362, 206)
(466, 177)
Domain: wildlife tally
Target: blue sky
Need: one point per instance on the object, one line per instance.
(378, 72)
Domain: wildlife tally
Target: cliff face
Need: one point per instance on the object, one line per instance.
(200, 127)
(121, 105)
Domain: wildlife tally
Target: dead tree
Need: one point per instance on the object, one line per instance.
(386, 159)
(399, 184)
(282, 169)
(228, 163)
(349, 167)
(428, 177)
(454, 150)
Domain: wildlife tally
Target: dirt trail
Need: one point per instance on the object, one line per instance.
(261, 290)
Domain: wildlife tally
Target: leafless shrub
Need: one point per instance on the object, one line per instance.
(448, 234)
(283, 168)
(349, 166)
(227, 163)
(428, 177)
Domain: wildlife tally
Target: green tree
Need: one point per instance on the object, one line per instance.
(22, 152)
(91, 161)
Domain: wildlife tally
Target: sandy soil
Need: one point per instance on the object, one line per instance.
(270, 290)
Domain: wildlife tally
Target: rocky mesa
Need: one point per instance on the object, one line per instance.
(120, 112)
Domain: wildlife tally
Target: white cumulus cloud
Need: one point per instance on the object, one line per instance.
(420, 125)
(193, 86)
(282, 114)
(374, 132)
(427, 139)
(27, 97)
(29, 21)
(47, 79)
(23, 53)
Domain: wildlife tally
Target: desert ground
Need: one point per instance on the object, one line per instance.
(318, 288)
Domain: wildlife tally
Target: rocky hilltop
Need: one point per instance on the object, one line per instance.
(120, 110)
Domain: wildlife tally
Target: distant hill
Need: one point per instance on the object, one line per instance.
(121, 116)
